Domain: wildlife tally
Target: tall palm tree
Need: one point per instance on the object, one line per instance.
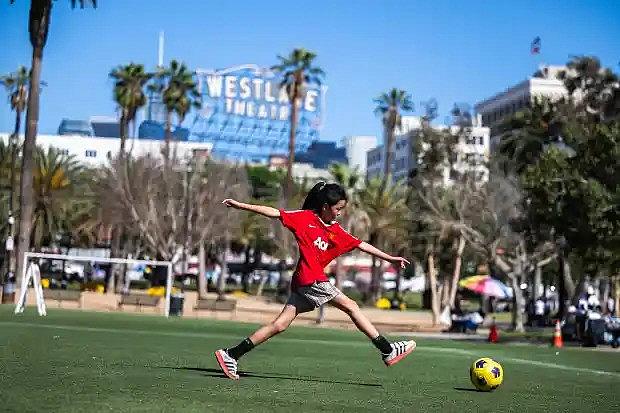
(179, 93)
(387, 211)
(38, 27)
(298, 72)
(60, 194)
(389, 106)
(16, 85)
(129, 82)
(354, 218)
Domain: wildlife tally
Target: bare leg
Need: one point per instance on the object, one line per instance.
(344, 303)
(227, 358)
(281, 323)
(321, 316)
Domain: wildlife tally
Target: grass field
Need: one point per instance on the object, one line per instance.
(82, 361)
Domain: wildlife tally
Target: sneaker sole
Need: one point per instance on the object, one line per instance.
(222, 365)
(402, 356)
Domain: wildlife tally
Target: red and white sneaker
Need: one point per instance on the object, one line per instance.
(400, 350)
(227, 364)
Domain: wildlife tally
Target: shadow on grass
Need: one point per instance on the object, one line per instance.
(466, 389)
(218, 373)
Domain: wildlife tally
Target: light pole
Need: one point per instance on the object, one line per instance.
(9, 245)
(186, 225)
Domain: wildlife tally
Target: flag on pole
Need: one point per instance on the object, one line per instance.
(535, 47)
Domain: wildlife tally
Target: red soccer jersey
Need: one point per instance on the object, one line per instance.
(319, 243)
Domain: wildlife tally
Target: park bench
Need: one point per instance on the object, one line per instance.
(138, 300)
(213, 305)
(63, 295)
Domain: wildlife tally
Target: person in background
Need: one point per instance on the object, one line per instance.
(611, 306)
(539, 312)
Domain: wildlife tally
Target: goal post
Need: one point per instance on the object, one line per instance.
(31, 271)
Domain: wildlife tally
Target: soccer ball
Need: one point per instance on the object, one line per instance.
(486, 374)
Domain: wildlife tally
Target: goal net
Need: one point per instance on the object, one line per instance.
(57, 272)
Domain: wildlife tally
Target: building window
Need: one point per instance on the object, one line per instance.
(91, 154)
(481, 140)
(63, 151)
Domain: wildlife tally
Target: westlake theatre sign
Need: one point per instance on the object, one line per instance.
(244, 109)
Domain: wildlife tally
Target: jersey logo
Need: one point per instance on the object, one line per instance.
(311, 226)
(320, 244)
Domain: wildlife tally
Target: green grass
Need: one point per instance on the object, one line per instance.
(83, 361)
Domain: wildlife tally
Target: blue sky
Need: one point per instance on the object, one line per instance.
(455, 51)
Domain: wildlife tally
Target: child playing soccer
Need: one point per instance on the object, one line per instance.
(320, 239)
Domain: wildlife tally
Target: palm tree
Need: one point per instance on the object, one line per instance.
(129, 82)
(60, 194)
(387, 212)
(389, 106)
(38, 27)
(298, 73)
(16, 85)
(179, 94)
(354, 219)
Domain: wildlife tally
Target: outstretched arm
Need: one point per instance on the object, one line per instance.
(259, 209)
(366, 247)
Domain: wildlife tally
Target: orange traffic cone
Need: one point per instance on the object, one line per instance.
(493, 333)
(557, 336)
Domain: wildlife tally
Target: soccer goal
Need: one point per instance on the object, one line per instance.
(74, 265)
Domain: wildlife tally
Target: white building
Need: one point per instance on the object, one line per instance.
(473, 151)
(402, 159)
(97, 151)
(301, 170)
(356, 148)
(473, 146)
(545, 84)
(306, 171)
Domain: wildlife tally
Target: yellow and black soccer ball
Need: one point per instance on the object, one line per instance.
(486, 374)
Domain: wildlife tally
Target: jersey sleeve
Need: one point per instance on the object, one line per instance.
(292, 219)
(346, 241)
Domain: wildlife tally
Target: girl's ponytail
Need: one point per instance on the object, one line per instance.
(314, 200)
(322, 194)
